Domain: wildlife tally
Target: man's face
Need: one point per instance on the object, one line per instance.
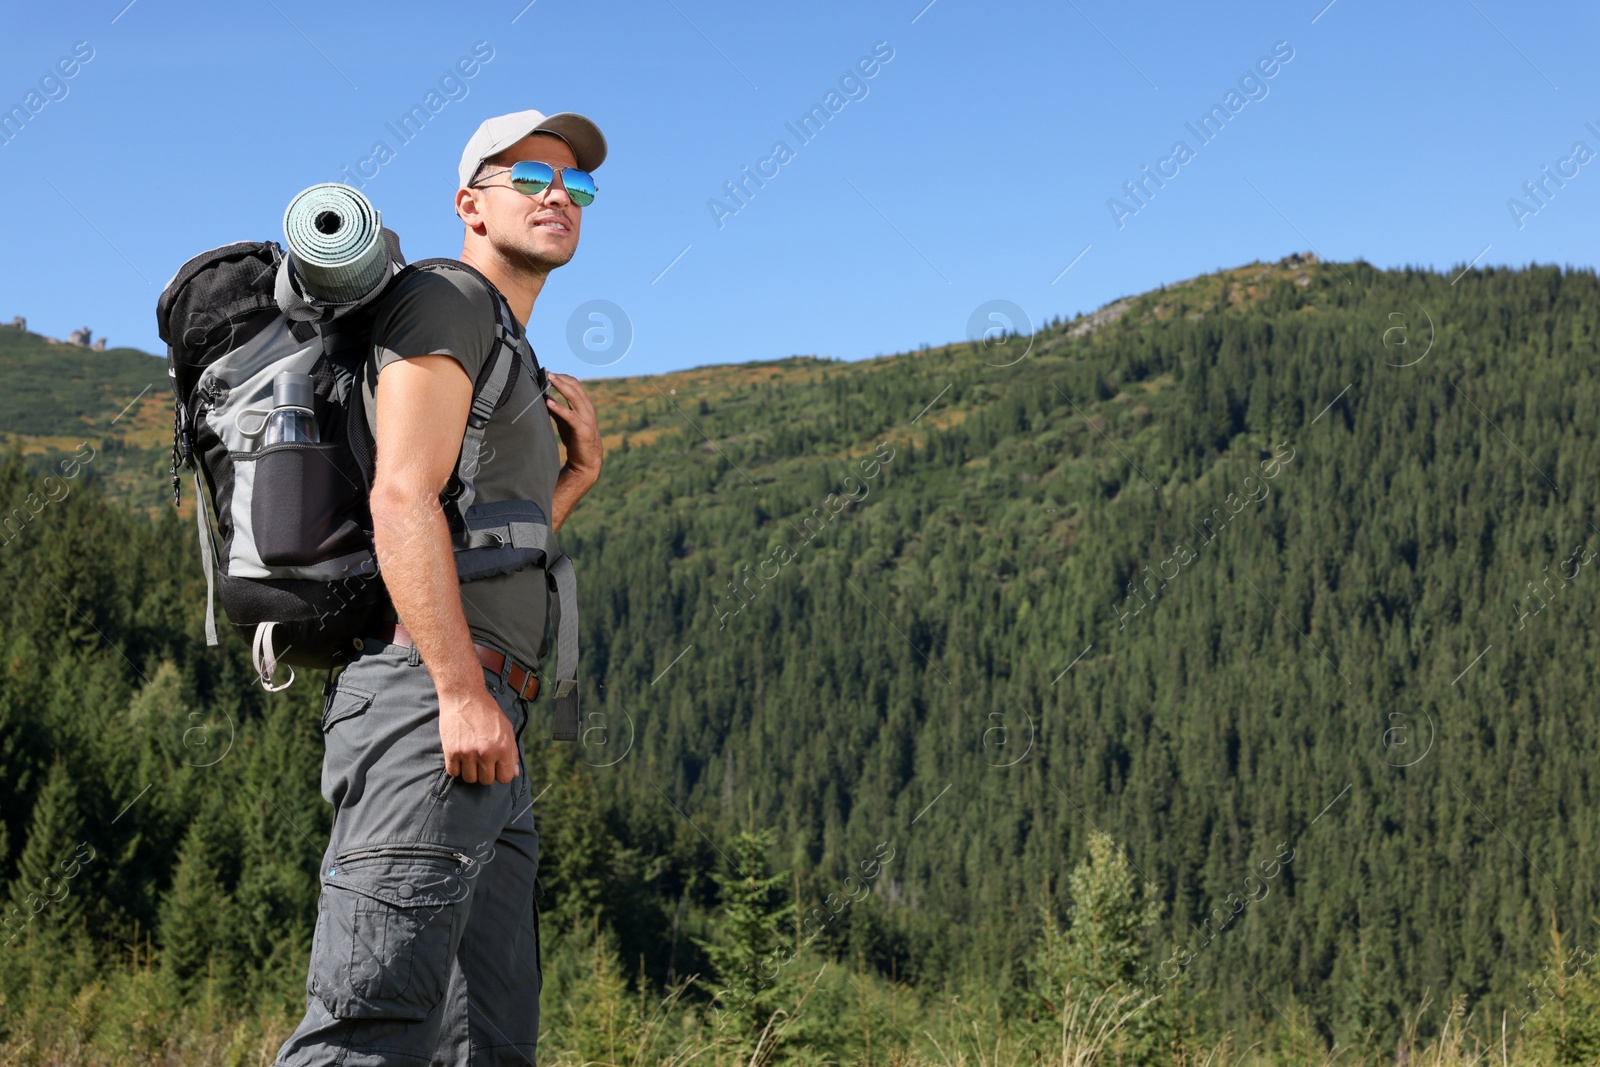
(540, 231)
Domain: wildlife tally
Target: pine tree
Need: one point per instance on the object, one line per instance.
(16, 774)
(49, 891)
(748, 957)
(1368, 1012)
(1561, 1007)
(1101, 955)
(576, 853)
(1110, 916)
(601, 1025)
(193, 911)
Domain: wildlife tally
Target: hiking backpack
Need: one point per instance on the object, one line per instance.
(285, 529)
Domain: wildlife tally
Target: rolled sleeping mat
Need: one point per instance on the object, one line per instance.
(336, 244)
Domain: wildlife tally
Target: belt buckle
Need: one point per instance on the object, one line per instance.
(530, 687)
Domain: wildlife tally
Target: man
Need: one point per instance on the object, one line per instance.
(426, 947)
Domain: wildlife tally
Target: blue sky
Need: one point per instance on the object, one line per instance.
(974, 165)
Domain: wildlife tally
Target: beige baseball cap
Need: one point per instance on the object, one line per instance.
(583, 136)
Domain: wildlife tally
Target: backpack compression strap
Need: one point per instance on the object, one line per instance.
(208, 559)
(561, 576)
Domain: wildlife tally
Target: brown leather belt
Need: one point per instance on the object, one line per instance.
(523, 682)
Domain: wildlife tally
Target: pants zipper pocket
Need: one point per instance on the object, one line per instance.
(461, 858)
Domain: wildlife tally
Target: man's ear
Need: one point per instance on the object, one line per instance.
(467, 208)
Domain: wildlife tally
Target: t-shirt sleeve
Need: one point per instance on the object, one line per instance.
(433, 313)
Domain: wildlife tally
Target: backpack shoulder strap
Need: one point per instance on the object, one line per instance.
(493, 386)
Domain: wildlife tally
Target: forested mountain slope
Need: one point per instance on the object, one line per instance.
(1280, 577)
(1347, 662)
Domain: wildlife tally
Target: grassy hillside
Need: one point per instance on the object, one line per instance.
(57, 397)
(62, 390)
(1277, 576)
(119, 401)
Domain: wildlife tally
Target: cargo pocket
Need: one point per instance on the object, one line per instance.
(303, 503)
(344, 702)
(442, 780)
(387, 928)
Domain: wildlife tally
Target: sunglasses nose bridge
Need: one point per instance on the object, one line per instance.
(543, 197)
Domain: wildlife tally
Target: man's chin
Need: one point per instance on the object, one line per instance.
(541, 256)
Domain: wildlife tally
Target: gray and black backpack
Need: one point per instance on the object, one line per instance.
(284, 528)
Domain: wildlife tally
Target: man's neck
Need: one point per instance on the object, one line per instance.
(519, 285)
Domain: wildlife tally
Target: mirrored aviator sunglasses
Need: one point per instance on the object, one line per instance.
(530, 177)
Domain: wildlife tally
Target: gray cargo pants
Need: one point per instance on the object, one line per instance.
(426, 947)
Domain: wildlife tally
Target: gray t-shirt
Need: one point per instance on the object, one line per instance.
(447, 312)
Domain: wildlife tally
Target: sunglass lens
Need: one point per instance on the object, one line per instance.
(531, 177)
(580, 186)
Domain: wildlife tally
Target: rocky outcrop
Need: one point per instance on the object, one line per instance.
(77, 338)
(1096, 319)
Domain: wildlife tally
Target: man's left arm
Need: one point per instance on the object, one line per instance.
(580, 433)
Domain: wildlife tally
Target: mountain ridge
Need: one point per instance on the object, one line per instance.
(61, 394)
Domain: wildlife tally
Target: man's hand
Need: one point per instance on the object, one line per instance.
(580, 433)
(579, 429)
(478, 742)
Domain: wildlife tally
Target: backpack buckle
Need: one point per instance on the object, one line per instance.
(183, 438)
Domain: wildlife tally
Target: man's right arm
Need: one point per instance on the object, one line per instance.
(421, 408)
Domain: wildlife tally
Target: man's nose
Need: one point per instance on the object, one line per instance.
(556, 186)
